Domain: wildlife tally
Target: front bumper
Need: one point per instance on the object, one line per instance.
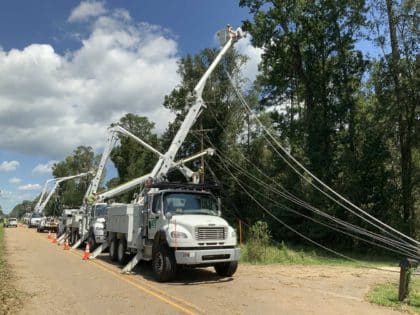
(99, 238)
(203, 256)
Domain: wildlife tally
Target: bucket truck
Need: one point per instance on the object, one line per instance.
(90, 220)
(171, 224)
(37, 219)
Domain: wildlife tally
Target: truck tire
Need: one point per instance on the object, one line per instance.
(164, 264)
(113, 249)
(122, 256)
(91, 241)
(226, 269)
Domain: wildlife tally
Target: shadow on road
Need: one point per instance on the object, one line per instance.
(185, 275)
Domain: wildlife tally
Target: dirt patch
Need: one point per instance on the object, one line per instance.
(60, 282)
(10, 297)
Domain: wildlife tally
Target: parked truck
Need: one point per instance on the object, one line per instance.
(172, 224)
(89, 222)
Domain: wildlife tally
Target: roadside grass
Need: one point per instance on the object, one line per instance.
(10, 299)
(286, 255)
(386, 294)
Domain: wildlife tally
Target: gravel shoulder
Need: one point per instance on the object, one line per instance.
(59, 282)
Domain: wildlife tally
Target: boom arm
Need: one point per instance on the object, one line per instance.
(57, 183)
(44, 190)
(112, 140)
(140, 180)
(166, 162)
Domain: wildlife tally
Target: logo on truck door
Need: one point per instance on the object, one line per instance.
(152, 223)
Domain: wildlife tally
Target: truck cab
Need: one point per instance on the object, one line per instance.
(177, 226)
(189, 224)
(97, 222)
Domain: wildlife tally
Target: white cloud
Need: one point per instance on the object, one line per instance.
(30, 187)
(50, 103)
(43, 168)
(250, 69)
(14, 180)
(8, 166)
(86, 10)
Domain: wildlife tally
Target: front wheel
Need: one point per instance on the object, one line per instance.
(113, 249)
(164, 264)
(122, 256)
(226, 269)
(91, 242)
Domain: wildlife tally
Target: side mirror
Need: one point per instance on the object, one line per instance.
(219, 206)
(168, 215)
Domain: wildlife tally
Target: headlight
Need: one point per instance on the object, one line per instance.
(178, 234)
(233, 234)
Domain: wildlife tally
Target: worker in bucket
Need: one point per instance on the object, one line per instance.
(90, 200)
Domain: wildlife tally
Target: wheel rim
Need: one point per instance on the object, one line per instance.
(158, 262)
(120, 252)
(112, 248)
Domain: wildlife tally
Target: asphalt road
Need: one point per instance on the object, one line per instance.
(56, 281)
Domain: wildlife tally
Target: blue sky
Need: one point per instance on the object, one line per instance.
(69, 68)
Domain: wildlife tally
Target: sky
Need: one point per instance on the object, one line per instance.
(68, 69)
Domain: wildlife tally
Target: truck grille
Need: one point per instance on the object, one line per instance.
(210, 233)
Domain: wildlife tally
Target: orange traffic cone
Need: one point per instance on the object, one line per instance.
(54, 241)
(49, 235)
(86, 254)
(66, 244)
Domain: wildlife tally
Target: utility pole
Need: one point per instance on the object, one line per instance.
(201, 132)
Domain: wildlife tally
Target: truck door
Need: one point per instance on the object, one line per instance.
(155, 213)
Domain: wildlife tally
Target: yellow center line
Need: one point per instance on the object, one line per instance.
(158, 294)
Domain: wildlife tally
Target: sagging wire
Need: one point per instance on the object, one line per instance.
(268, 133)
(285, 194)
(335, 228)
(299, 233)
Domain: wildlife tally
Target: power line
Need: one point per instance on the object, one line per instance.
(247, 108)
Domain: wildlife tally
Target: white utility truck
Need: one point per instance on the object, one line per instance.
(171, 224)
(37, 219)
(88, 223)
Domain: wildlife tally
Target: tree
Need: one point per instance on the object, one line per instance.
(221, 123)
(130, 158)
(313, 72)
(71, 192)
(397, 87)
(20, 209)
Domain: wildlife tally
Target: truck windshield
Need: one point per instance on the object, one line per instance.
(185, 203)
(101, 210)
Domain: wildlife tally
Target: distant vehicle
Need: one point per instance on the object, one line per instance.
(48, 224)
(26, 218)
(34, 220)
(12, 222)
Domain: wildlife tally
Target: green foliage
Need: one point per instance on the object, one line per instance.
(70, 193)
(258, 240)
(20, 209)
(387, 295)
(130, 158)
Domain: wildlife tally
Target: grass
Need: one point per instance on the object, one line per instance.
(9, 296)
(387, 295)
(286, 255)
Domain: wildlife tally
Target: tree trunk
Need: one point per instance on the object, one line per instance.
(404, 135)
